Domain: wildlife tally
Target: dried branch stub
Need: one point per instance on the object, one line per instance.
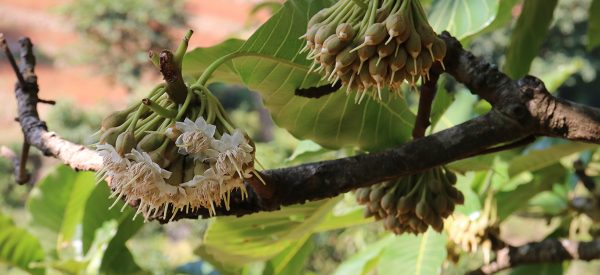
(370, 49)
(167, 157)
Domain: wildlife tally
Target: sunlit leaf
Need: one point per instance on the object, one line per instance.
(359, 263)
(528, 35)
(414, 255)
(57, 203)
(594, 25)
(538, 159)
(261, 236)
(291, 260)
(18, 247)
(462, 18)
(512, 200)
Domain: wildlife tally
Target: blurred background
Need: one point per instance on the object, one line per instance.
(92, 59)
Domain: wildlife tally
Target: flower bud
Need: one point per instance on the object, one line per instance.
(125, 142)
(151, 142)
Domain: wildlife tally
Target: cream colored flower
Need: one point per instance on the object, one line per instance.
(196, 136)
(112, 163)
(232, 152)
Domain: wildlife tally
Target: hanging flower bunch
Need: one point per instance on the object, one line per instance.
(176, 150)
(372, 45)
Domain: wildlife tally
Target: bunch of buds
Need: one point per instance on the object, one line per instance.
(176, 150)
(373, 46)
(412, 204)
(478, 231)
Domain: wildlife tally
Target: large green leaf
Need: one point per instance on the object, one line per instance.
(462, 18)
(90, 262)
(361, 262)
(528, 35)
(237, 241)
(57, 203)
(291, 261)
(118, 258)
(334, 221)
(538, 159)
(594, 25)
(198, 59)
(512, 200)
(414, 255)
(270, 63)
(18, 247)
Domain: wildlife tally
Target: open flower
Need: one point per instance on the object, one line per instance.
(232, 153)
(112, 163)
(196, 136)
(206, 190)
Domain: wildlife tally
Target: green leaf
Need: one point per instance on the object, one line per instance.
(360, 263)
(503, 17)
(305, 147)
(270, 63)
(538, 159)
(57, 203)
(478, 163)
(528, 36)
(90, 263)
(549, 202)
(291, 261)
(538, 269)
(196, 61)
(237, 241)
(18, 247)
(594, 25)
(512, 200)
(118, 258)
(351, 218)
(462, 18)
(558, 75)
(414, 255)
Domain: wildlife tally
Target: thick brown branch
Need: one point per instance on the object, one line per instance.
(550, 250)
(514, 117)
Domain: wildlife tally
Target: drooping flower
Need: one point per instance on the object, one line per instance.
(196, 136)
(232, 154)
(112, 162)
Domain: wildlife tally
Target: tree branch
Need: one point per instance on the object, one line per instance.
(550, 250)
(34, 130)
(520, 109)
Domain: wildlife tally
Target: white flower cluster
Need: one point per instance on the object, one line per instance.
(220, 165)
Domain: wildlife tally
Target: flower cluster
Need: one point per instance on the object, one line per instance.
(372, 47)
(218, 167)
(176, 150)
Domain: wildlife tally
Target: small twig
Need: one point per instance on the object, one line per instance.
(587, 181)
(45, 101)
(22, 176)
(9, 154)
(428, 91)
(11, 60)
